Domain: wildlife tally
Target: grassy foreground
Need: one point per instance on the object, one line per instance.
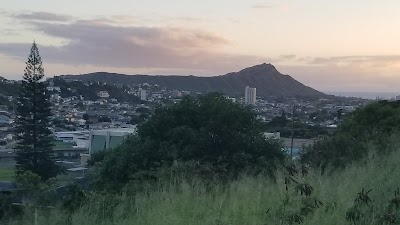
(247, 201)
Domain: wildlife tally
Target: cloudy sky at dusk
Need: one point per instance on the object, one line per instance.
(341, 45)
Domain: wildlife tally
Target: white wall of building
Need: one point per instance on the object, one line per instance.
(275, 135)
(143, 95)
(102, 139)
(79, 138)
(250, 96)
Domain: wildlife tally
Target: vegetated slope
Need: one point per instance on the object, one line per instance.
(90, 91)
(8, 88)
(247, 201)
(264, 77)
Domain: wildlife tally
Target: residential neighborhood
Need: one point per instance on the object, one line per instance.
(78, 112)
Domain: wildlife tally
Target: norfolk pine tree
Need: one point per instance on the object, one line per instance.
(34, 141)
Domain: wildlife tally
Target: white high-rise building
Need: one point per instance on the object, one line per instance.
(143, 95)
(250, 96)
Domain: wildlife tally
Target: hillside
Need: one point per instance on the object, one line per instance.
(7, 87)
(249, 200)
(265, 77)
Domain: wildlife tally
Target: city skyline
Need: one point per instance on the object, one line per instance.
(330, 46)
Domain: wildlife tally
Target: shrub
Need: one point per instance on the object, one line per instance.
(373, 124)
(210, 135)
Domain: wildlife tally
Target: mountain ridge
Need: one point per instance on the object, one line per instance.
(265, 77)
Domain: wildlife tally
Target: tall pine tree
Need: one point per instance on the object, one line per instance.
(34, 141)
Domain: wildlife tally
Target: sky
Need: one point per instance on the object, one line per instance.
(341, 45)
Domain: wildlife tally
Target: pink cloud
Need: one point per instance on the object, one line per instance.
(100, 42)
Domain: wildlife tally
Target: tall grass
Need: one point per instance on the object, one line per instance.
(250, 200)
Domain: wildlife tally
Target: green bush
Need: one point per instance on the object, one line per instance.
(374, 124)
(210, 137)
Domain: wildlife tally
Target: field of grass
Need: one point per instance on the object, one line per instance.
(61, 145)
(6, 174)
(251, 200)
(57, 145)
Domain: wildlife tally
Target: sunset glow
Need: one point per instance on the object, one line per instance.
(328, 45)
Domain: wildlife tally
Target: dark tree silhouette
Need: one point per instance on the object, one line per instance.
(34, 146)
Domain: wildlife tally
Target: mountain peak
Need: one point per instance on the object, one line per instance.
(265, 65)
(260, 69)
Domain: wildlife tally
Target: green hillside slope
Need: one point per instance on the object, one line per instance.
(248, 201)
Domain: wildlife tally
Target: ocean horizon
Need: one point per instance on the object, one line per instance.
(366, 95)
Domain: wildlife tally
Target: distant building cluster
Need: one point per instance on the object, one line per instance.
(101, 116)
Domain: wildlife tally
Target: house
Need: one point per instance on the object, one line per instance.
(79, 143)
(229, 98)
(103, 94)
(9, 137)
(275, 135)
(88, 102)
(100, 101)
(177, 94)
(81, 122)
(4, 119)
(55, 97)
(75, 137)
(69, 152)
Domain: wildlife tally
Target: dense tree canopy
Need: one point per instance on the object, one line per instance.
(373, 124)
(209, 135)
(302, 130)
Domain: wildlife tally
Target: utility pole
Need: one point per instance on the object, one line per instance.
(36, 216)
(291, 144)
